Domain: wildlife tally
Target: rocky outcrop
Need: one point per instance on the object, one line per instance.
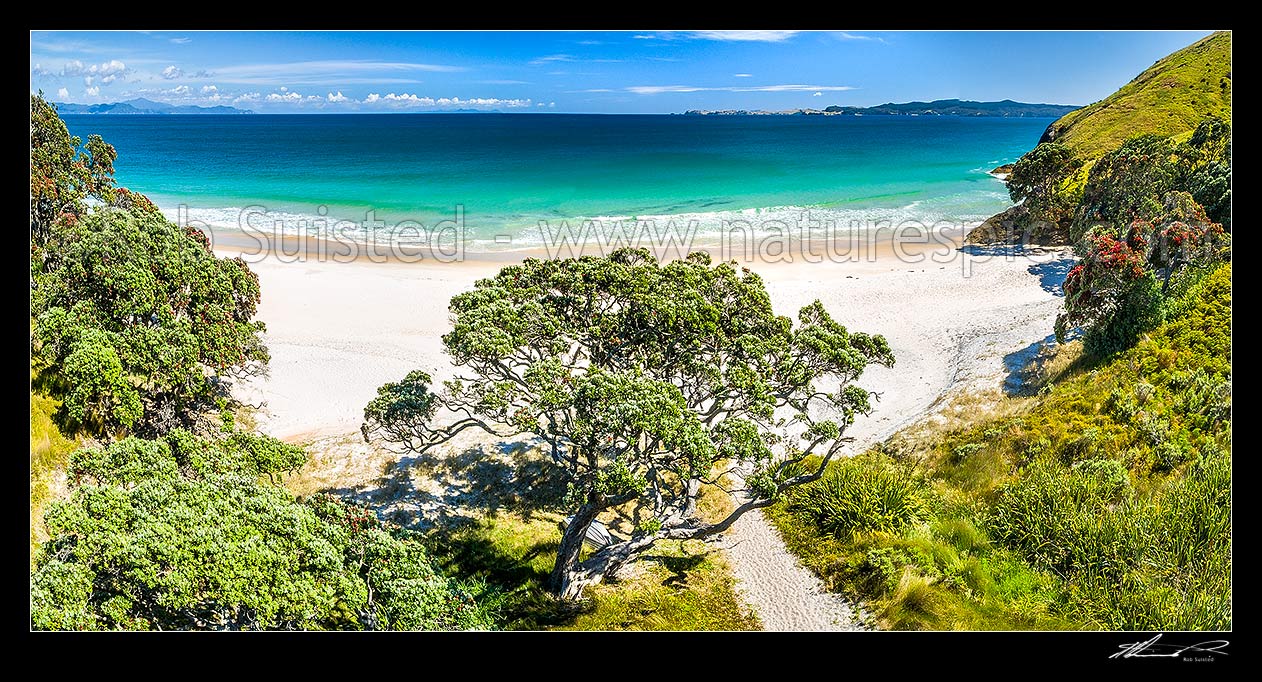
(1002, 172)
(1049, 133)
(1000, 228)
(1017, 226)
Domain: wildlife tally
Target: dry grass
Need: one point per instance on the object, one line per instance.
(50, 453)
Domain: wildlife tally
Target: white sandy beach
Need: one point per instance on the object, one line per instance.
(337, 331)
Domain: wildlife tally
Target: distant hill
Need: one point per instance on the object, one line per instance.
(145, 106)
(1171, 97)
(941, 107)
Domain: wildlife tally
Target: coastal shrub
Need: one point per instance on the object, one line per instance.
(1111, 294)
(863, 494)
(1209, 176)
(145, 542)
(1127, 184)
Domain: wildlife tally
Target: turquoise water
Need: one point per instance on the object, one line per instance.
(508, 172)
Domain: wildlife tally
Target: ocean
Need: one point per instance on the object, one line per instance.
(504, 173)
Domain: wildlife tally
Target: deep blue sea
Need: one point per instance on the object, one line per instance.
(507, 172)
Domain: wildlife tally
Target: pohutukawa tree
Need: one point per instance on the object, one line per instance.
(1039, 177)
(646, 383)
(1114, 293)
(62, 174)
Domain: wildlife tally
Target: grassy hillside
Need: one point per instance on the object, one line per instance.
(1170, 98)
(1103, 503)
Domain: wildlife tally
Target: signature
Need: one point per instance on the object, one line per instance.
(1154, 649)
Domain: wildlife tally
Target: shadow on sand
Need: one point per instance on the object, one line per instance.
(1020, 366)
(459, 488)
(1051, 273)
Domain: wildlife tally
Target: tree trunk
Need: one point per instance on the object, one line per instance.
(567, 579)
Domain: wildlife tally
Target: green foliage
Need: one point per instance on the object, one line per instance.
(1209, 179)
(180, 534)
(1170, 98)
(1138, 309)
(141, 324)
(63, 175)
(862, 494)
(1105, 503)
(1127, 184)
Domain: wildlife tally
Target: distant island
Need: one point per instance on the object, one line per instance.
(940, 107)
(145, 106)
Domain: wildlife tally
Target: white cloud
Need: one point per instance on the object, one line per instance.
(659, 89)
(75, 67)
(106, 80)
(724, 36)
(339, 97)
(541, 104)
(552, 105)
(553, 58)
(745, 36)
(179, 91)
(286, 97)
(817, 94)
(742, 75)
(842, 35)
(246, 97)
(41, 72)
(63, 93)
(408, 99)
(209, 89)
(172, 72)
(87, 80)
(92, 92)
(181, 41)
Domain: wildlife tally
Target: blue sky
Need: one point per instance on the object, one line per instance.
(600, 72)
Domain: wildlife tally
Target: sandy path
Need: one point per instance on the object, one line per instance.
(786, 596)
(337, 331)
